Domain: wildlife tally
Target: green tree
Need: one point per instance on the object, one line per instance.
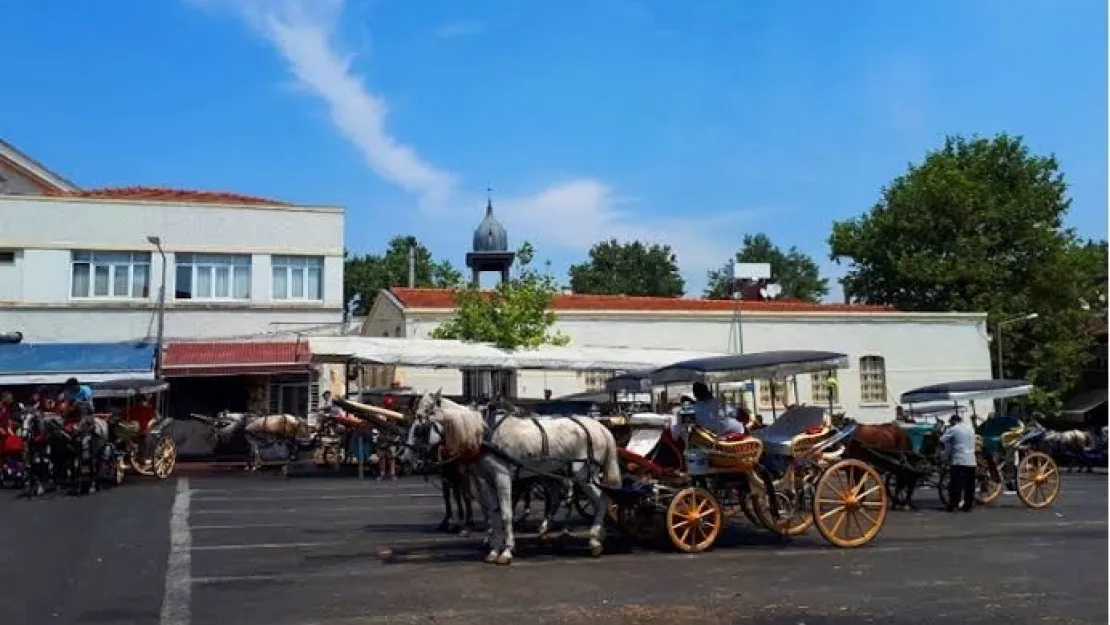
(371, 273)
(793, 270)
(515, 314)
(1091, 258)
(633, 268)
(978, 226)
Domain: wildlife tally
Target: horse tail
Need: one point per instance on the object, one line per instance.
(611, 469)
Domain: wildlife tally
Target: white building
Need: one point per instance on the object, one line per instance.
(890, 352)
(77, 265)
(80, 266)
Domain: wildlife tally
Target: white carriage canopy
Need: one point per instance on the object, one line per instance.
(741, 367)
(967, 390)
(452, 354)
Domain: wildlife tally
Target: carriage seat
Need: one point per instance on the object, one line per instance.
(792, 444)
(731, 451)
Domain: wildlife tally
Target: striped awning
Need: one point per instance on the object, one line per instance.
(221, 358)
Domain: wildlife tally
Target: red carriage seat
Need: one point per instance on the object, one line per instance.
(11, 445)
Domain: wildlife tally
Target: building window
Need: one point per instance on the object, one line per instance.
(824, 393)
(486, 384)
(872, 380)
(595, 380)
(213, 276)
(7, 257)
(111, 274)
(298, 277)
(782, 393)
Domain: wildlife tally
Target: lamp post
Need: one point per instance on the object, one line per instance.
(998, 347)
(157, 243)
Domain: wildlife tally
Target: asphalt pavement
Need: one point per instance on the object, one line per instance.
(252, 550)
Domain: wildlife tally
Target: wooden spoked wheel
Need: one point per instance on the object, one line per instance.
(747, 507)
(693, 520)
(987, 489)
(793, 520)
(1038, 480)
(850, 503)
(164, 457)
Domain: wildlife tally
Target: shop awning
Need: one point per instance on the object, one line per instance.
(221, 358)
(54, 363)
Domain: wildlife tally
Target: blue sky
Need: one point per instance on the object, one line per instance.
(685, 123)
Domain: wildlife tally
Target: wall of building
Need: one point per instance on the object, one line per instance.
(916, 349)
(36, 296)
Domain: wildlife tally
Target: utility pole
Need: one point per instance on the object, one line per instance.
(157, 243)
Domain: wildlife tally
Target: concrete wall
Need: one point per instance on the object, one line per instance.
(35, 290)
(917, 349)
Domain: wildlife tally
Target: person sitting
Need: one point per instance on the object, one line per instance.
(902, 416)
(78, 399)
(709, 416)
(142, 413)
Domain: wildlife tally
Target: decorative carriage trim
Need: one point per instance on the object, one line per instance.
(740, 454)
(804, 443)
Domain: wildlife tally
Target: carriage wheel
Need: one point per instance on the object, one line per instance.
(1038, 480)
(850, 503)
(794, 519)
(987, 489)
(118, 471)
(135, 459)
(747, 506)
(164, 458)
(693, 520)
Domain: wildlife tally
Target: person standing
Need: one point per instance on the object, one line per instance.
(959, 441)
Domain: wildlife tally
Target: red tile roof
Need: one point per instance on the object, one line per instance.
(444, 299)
(167, 195)
(232, 357)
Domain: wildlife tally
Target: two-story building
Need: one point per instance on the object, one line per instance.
(87, 266)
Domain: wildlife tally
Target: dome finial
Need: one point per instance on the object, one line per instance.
(489, 200)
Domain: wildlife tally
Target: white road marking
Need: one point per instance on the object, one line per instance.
(285, 497)
(177, 594)
(314, 509)
(339, 543)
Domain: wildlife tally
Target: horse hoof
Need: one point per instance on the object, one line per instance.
(464, 533)
(504, 559)
(491, 557)
(595, 551)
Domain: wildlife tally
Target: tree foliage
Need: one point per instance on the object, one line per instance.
(632, 268)
(515, 314)
(371, 273)
(978, 226)
(793, 270)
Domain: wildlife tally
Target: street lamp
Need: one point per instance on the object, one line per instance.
(157, 243)
(998, 347)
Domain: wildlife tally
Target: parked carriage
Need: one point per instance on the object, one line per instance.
(1003, 444)
(786, 477)
(150, 453)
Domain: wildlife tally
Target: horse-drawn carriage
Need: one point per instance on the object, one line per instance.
(1004, 456)
(151, 452)
(1003, 444)
(786, 477)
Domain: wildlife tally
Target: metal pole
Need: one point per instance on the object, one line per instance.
(998, 348)
(157, 243)
(412, 265)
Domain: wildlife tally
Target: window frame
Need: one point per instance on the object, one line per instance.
(288, 264)
(865, 397)
(196, 262)
(818, 381)
(88, 258)
(782, 399)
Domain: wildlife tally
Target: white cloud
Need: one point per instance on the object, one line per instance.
(568, 216)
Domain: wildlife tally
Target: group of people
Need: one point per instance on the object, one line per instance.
(372, 445)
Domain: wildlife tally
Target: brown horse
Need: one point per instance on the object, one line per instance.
(890, 440)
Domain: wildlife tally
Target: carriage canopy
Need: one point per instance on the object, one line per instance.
(736, 368)
(631, 382)
(127, 387)
(967, 390)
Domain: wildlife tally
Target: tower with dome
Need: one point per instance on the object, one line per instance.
(490, 250)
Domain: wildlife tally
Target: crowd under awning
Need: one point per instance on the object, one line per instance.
(54, 363)
(229, 358)
(449, 354)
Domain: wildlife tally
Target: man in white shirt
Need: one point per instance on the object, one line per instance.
(709, 414)
(959, 442)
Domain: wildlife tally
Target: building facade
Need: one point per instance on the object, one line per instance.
(87, 266)
(890, 352)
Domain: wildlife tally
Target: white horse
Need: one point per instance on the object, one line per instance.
(1068, 447)
(575, 448)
